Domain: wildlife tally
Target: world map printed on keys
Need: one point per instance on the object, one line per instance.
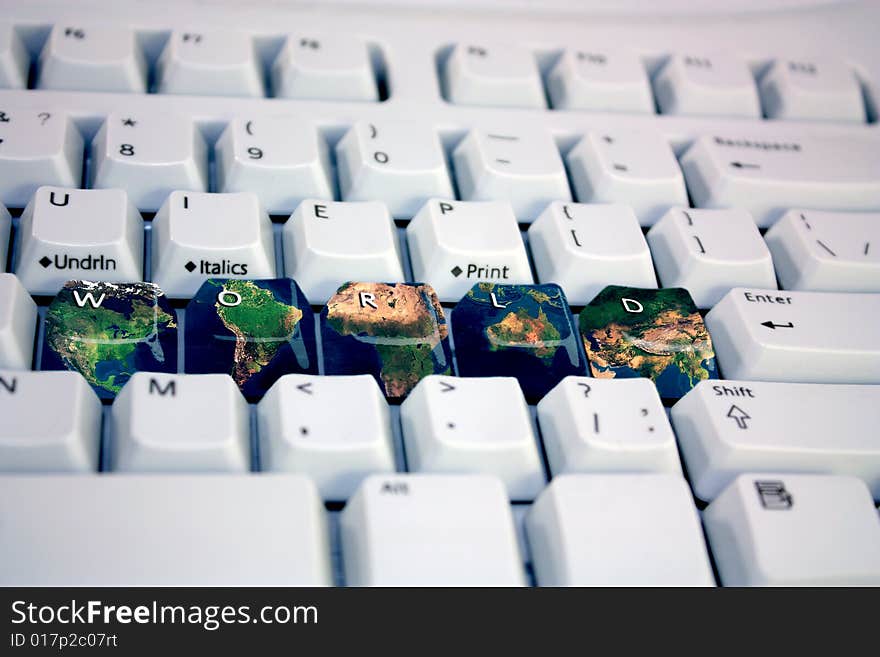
(524, 331)
(253, 330)
(109, 331)
(395, 331)
(658, 334)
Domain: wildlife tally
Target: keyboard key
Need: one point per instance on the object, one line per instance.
(658, 334)
(109, 331)
(524, 169)
(69, 234)
(327, 244)
(597, 425)
(301, 430)
(281, 160)
(699, 85)
(794, 530)
(767, 177)
(149, 156)
(479, 425)
(430, 530)
(18, 321)
(37, 148)
(522, 331)
(14, 59)
(67, 439)
(221, 63)
(815, 90)
(709, 252)
(253, 330)
(92, 58)
(637, 169)
(454, 244)
(5, 236)
(180, 423)
(191, 530)
(197, 236)
(728, 427)
(492, 76)
(395, 331)
(807, 337)
(401, 164)
(324, 67)
(617, 530)
(602, 81)
(827, 251)
(584, 247)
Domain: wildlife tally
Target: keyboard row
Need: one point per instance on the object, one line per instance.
(339, 429)
(345, 67)
(67, 234)
(403, 164)
(258, 330)
(436, 530)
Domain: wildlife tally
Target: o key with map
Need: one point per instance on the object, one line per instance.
(395, 331)
(658, 334)
(253, 330)
(524, 331)
(109, 331)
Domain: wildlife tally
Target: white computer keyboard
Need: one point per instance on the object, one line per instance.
(648, 247)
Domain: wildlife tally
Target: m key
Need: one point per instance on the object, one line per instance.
(807, 337)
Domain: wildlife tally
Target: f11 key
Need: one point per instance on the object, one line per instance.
(806, 337)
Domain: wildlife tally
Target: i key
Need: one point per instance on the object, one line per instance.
(638, 169)
(149, 156)
(180, 423)
(282, 160)
(766, 335)
(600, 425)
(37, 148)
(253, 330)
(301, 430)
(430, 530)
(617, 530)
(396, 332)
(523, 168)
(92, 58)
(216, 63)
(201, 236)
(522, 331)
(455, 244)
(794, 530)
(585, 246)
(34, 440)
(18, 318)
(728, 427)
(473, 425)
(400, 163)
(109, 331)
(827, 251)
(67, 234)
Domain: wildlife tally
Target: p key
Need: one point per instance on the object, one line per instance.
(806, 337)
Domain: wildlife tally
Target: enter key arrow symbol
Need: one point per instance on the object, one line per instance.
(739, 416)
(771, 325)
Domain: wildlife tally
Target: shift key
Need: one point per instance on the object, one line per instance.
(806, 337)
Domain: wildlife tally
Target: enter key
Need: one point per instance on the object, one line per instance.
(807, 337)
